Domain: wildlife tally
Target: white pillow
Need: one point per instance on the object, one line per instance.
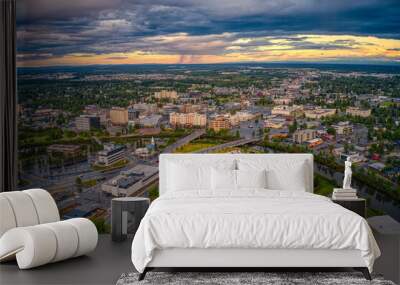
(223, 179)
(288, 174)
(182, 177)
(279, 178)
(193, 175)
(251, 178)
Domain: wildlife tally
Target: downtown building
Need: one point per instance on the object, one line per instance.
(110, 154)
(94, 110)
(145, 108)
(241, 116)
(188, 119)
(87, 122)
(190, 108)
(133, 114)
(275, 122)
(357, 112)
(343, 128)
(219, 123)
(130, 182)
(360, 135)
(165, 94)
(319, 113)
(119, 116)
(288, 111)
(67, 150)
(301, 136)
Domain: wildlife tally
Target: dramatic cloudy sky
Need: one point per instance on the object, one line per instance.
(79, 32)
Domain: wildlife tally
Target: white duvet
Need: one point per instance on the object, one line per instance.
(250, 219)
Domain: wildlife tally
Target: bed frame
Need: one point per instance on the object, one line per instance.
(238, 259)
(249, 259)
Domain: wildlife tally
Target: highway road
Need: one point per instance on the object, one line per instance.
(154, 178)
(228, 144)
(181, 142)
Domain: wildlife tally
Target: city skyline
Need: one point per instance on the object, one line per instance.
(52, 33)
(92, 127)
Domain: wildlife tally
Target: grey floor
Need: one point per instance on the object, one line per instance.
(103, 266)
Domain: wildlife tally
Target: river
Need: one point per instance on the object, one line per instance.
(377, 200)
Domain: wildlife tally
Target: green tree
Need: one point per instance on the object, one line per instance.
(293, 127)
(101, 225)
(331, 131)
(237, 134)
(153, 192)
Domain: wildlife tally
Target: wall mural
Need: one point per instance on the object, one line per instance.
(104, 87)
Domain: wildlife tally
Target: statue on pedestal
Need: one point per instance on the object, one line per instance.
(347, 174)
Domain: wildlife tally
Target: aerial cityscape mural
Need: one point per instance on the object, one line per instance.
(104, 87)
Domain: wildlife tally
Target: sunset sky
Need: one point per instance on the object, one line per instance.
(82, 32)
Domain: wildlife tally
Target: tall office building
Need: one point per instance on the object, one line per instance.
(87, 122)
(220, 123)
(119, 116)
(133, 114)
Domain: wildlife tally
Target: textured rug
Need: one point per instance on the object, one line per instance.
(243, 278)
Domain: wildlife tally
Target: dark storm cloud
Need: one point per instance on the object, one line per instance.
(29, 11)
(98, 26)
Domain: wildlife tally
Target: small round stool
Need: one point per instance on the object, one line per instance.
(124, 211)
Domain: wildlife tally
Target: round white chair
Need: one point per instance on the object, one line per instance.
(31, 230)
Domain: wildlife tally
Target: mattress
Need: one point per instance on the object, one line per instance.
(250, 219)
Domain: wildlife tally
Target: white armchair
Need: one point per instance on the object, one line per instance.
(31, 230)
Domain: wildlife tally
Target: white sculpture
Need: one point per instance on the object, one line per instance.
(31, 231)
(347, 174)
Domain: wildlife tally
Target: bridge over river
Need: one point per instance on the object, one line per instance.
(154, 178)
(228, 144)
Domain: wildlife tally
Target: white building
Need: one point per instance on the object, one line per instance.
(343, 128)
(288, 111)
(319, 113)
(357, 112)
(110, 154)
(165, 94)
(129, 182)
(301, 136)
(274, 122)
(188, 119)
(240, 116)
(150, 121)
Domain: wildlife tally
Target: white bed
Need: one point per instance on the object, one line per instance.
(248, 227)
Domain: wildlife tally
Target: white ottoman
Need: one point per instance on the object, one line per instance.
(37, 245)
(31, 230)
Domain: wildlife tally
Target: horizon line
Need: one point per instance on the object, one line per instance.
(383, 63)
